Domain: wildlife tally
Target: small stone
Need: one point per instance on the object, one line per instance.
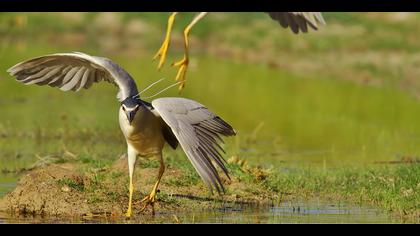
(65, 188)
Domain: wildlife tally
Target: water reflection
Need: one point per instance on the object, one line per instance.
(312, 211)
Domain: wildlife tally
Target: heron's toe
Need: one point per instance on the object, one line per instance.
(180, 76)
(161, 54)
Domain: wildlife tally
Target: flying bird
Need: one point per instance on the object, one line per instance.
(296, 21)
(145, 126)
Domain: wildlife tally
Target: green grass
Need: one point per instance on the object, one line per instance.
(394, 188)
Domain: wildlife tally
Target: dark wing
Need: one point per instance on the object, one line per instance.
(169, 136)
(166, 130)
(298, 20)
(73, 71)
(198, 131)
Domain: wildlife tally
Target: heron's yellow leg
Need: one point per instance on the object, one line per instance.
(165, 45)
(132, 155)
(183, 63)
(151, 198)
(131, 190)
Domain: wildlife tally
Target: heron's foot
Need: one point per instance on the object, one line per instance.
(149, 200)
(161, 54)
(128, 213)
(131, 190)
(183, 65)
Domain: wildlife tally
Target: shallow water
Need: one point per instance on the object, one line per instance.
(305, 212)
(7, 183)
(287, 212)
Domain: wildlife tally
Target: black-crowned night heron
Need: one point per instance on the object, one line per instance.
(146, 127)
(297, 21)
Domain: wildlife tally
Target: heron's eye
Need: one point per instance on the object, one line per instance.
(123, 107)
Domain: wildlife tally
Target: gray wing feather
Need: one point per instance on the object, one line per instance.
(74, 71)
(298, 21)
(198, 131)
(84, 79)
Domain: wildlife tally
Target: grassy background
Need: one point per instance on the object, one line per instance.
(330, 95)
(346, 95)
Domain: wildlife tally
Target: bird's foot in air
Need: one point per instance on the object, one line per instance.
(149, 200)
(183, 65)
(161, 54)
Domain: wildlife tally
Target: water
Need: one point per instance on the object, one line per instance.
(306, 212)
(312, 211)
(7, 183)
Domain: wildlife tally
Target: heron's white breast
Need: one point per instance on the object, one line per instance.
(145, 132)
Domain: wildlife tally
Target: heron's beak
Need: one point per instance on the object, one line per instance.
(130, 115)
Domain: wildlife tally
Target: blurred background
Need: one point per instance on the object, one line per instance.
(347, 94)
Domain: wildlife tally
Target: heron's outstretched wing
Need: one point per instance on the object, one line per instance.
(298, 20)
(74, 71)
(198, 131)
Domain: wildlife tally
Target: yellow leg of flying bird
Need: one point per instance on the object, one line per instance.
(151, 198)
(165, 45)
(183, 63)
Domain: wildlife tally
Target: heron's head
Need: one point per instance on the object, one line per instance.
(130, 106)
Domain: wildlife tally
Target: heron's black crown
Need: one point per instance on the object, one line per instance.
(131, 102)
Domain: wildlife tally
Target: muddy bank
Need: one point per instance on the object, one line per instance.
(78, 189)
